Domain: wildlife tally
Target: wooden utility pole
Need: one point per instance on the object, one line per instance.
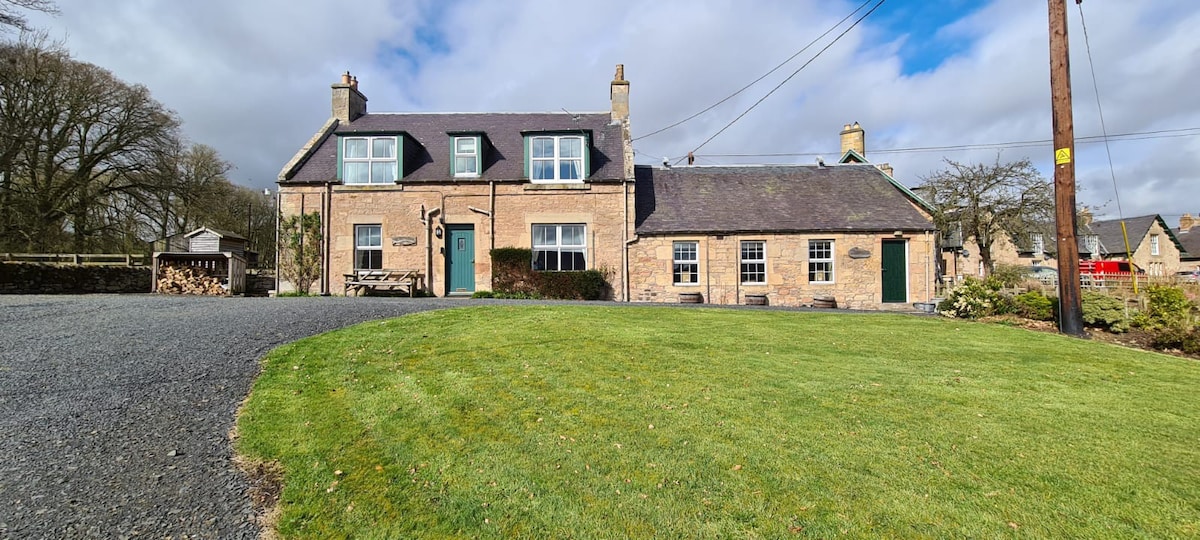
(1070, 316)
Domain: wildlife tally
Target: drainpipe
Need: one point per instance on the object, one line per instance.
(626, 241)
(429, 225)
(326, 229)
(278, 210)
(928, 261)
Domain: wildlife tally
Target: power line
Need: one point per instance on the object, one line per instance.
(756, 81)
(1132, 136)
(794, 73)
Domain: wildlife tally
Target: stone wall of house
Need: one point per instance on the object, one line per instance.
(36, 278)
(411, 243)
(857, 281)
(1166, 263)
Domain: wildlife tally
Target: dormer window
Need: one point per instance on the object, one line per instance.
(467, 154)
(369, 160)
(557, 158)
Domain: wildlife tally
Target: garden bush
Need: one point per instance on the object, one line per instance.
(1105, 312)
(1035, 305)
(975, 298)
(514, 277)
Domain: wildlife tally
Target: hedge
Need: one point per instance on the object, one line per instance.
(513, 273)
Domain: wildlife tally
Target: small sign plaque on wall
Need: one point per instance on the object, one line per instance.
(404, 240)
(859, 253)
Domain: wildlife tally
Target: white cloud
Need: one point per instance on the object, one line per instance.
(252, 77)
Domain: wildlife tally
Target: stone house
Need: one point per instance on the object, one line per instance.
(793, 233)
(433, 193)
(1155, 248)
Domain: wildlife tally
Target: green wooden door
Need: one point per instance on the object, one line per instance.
(894, 268)
(460, 259)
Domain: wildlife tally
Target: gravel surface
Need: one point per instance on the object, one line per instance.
(115, 410)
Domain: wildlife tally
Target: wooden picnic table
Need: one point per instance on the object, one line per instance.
(383, 279)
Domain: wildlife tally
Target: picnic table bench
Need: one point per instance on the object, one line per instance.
(387, 280)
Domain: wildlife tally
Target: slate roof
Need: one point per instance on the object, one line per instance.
(1112, 243)
(774, 198)
(1190, 239)
(429, 160)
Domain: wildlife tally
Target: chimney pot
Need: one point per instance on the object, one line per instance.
(346, 78)
(354, 83)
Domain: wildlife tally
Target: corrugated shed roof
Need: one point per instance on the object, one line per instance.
(430, 159)
(775, 198)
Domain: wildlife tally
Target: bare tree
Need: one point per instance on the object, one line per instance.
(75, 137)
(987, 201)
(11, 17)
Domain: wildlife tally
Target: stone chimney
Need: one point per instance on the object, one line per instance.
(887, 169)
(348, 102)
(619, 92)
(853, 138)
(1186, 222)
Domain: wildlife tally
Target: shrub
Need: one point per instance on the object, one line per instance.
(513, 275)
(1010, 275)
(1105, 312)
(1167, 307)
(974, 298)
(1034, 305)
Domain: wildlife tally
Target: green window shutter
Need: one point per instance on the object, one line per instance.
(528, 153)
(339, 158)
(453, 156)
(587, 157)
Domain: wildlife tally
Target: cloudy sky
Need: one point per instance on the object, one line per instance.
(251, 77)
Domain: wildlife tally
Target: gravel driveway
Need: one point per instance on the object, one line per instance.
(115, 410)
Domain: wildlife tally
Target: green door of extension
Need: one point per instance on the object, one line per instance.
(894, 269)
(460, 259)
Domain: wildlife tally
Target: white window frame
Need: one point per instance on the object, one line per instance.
(744, 261)
(1154, 244)
(1039, 243)
(557, 247)
(557, 160)
(685, 266)
(370, 160)
(368, 247)
(473, 156)
(819, 255)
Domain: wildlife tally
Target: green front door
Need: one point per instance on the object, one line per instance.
(894, 268)
(460, 259)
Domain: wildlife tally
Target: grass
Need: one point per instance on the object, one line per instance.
(640, 422)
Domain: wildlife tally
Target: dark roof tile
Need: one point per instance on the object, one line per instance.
(504, 132)
(778, 198)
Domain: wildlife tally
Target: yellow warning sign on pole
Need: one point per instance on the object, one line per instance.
(1062, 156)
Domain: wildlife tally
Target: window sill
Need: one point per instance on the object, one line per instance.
(685, 284)
(551, 186)
(369, 187)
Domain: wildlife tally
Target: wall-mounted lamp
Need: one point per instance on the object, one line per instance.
(437, 231)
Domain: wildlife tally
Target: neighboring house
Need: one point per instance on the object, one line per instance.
(434, 193)
(1155, 248)
(790, 232)
(1190, 240)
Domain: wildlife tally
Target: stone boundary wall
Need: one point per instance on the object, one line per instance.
(36, 278)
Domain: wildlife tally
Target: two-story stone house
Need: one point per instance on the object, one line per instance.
(434, 193)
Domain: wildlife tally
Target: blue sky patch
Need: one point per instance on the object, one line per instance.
(921, 22)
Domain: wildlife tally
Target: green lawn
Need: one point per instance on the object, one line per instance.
(640, 422)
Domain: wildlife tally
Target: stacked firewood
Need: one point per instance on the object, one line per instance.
(188, 280)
